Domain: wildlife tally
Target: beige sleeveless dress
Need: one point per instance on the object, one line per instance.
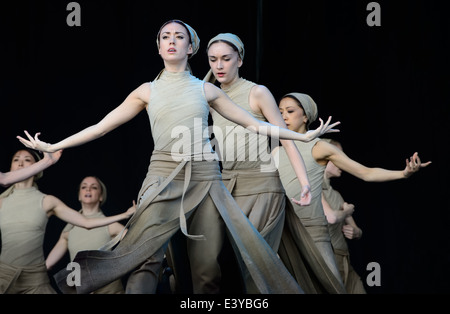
(22, 226)
(306, 239)
(248, 171)
(183, 190)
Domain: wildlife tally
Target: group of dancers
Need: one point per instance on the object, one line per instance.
(271, 210)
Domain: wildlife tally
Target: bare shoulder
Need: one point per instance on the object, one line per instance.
(259, 92)
(322, 150)
(212, 92)
(143, 91)
(49, 203)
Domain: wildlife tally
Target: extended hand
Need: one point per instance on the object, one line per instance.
(35, 143)
(413, 165)
(131, 210)
(322, 129)
(305, 197)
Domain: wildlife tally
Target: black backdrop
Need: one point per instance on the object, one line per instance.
(388, 85)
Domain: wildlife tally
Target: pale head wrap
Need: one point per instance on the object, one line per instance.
(308, 105)
(230, 39)
(195, 40)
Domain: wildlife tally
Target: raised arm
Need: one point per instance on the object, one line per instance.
(220, 102)
(130, 107)
(18, 175)
(54, 206)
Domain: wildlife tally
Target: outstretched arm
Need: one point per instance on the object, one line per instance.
(55, 206)
(220, 102)
(329, 152)
(132, 105)
(18, 175)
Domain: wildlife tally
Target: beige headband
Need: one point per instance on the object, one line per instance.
(229, 38)
(308, 104)
(195, 40)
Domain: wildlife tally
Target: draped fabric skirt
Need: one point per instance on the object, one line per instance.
(300, 255)
(352, 281)
(172, 192)
(31, 279)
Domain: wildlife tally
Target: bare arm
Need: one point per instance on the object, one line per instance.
(220, 102)
(262, 99)
(54, 206)
(58, 251)
(130, 107)
(12, 177)
(324, 151)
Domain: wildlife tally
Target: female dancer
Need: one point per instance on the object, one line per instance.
(24, 212)
(341, 225)
(248, 170)
(92, 195)
(183, 180)
(11, 177)
(299, 111)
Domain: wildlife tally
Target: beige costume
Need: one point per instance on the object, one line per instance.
(22, 225)
(183, 189)
(80, 239)
(352, 280)
(247, 171)
(310, 217)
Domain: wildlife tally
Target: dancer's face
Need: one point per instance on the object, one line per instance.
(294, 116)
(90, 191)
(174, 44)
(224, 62)
(22, 159)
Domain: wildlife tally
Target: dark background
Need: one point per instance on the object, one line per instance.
(388, 85)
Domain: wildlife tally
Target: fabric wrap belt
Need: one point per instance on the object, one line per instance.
(36, 274)
(247, 181)
(161, 164)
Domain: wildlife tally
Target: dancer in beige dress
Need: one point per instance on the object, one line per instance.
(24, 212)
(299, 111)
(183, 188)
(92, 195)
(341, 225)
(248, 170)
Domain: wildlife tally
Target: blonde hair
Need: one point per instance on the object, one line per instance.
(102, 188)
